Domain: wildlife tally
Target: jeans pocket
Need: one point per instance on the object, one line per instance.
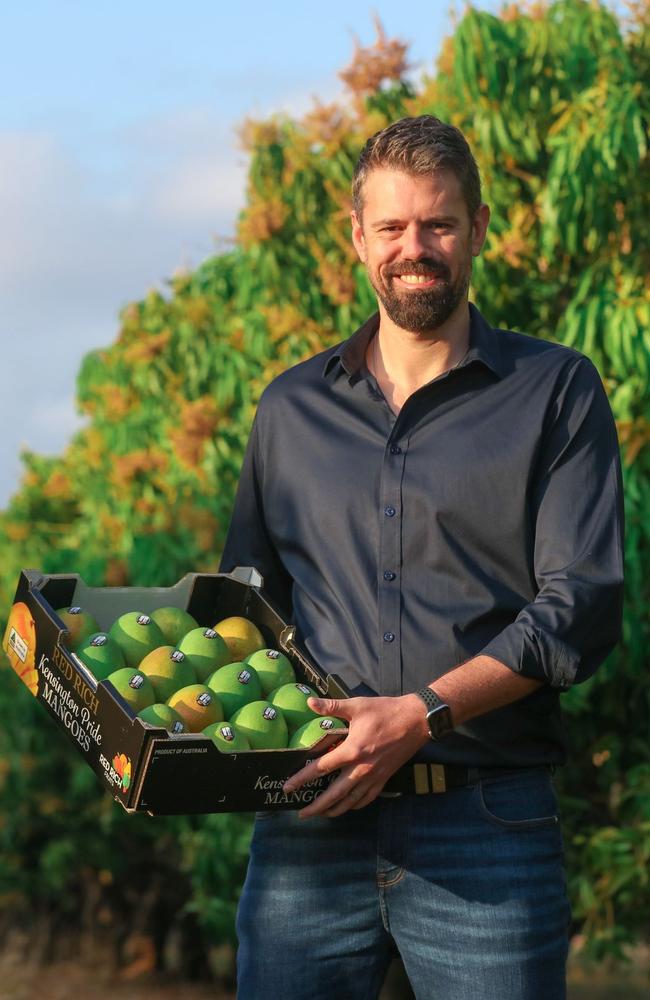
(525, 801)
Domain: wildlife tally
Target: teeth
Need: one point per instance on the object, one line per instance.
(416, 279)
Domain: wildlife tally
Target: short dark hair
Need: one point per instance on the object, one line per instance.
(419, 146)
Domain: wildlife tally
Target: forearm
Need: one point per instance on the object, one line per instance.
(481, 685)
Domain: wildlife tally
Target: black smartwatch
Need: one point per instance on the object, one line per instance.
(438, 713)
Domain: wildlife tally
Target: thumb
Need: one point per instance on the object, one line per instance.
(330, 706)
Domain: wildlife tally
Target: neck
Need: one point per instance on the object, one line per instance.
(402, 361)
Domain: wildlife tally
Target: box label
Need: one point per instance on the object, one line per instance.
(77, 718)
(275, 796)
(117, 772)
(18, 645)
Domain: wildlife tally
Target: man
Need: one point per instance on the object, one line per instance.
(437, 505)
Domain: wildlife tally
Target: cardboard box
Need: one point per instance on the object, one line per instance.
(145, 768)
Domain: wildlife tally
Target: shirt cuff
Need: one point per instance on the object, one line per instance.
(531, 651)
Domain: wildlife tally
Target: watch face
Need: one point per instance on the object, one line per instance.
(439, 720)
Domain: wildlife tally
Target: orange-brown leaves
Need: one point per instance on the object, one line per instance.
(58, 486)
(262, 219)
(117, 573)
(16, 531)
(447, 56)
(335, 277)
(112, 528)
(383, 62)
(198, 422)
(203, 525)
(147, 347)
(255, 134)
(92, 448)
(116, 401)
(634, 435)
(510, 12)
(326, 125)
(198, 310)
(142, 462)
(515, 245)
(288, 326)
(236, 338)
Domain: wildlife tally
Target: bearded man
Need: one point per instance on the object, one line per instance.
(436, 504)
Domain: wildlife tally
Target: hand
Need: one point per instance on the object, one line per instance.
(384, 734)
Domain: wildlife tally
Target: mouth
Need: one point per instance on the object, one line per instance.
(418, 280)
(417, 275)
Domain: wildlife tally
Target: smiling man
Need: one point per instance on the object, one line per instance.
(436, 504)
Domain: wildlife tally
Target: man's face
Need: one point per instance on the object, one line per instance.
(417, 241)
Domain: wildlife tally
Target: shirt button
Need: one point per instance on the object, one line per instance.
(389, 511)
(389, 575)
(395, 449)
(389, 636)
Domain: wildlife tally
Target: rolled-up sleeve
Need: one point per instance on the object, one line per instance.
(576, 511)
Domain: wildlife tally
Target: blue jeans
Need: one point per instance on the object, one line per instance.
(468, 885)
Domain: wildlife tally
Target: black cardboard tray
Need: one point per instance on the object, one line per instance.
(145, 768)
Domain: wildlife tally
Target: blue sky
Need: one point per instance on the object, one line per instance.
(119, 161)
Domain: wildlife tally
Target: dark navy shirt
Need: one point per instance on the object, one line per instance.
(485, 518)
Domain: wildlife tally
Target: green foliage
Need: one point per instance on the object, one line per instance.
(215, 854)
(554, 100)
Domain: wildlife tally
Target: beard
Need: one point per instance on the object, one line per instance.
(421, 310)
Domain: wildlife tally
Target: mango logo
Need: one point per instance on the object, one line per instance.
(19, 644)
(122, 767)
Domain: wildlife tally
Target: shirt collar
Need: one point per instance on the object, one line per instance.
(483, 346)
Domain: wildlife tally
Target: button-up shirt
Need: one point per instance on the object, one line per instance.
(485, 518)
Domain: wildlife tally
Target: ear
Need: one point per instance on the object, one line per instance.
(358, 238)
(479, 229)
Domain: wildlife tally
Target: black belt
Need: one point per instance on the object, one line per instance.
(430, 779)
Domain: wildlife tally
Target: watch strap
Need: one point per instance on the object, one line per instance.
(429, 697)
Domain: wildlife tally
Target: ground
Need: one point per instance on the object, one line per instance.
(92, 977)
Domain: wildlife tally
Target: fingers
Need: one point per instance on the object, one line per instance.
(344, 793)
(342, 708)
(349, 802)
(329, 762)
(351, 790)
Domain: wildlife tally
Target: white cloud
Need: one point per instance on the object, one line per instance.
(37, 182)
(193, 190)
(78, 241)
(80, 237)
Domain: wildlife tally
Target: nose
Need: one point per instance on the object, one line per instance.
(414, 244)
